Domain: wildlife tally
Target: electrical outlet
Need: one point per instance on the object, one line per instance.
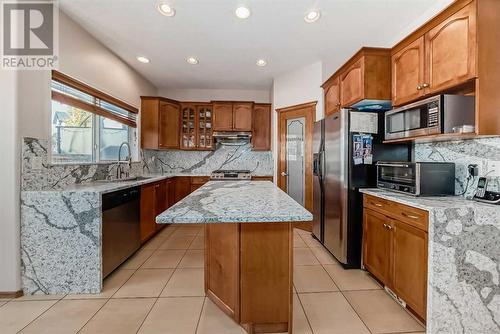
(493, 168)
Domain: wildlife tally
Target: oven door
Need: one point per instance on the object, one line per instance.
(399, 177)
(418, 119)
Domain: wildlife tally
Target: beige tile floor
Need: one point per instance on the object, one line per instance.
(161, 290)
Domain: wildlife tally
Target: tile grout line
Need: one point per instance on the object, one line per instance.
(305, 314)
(199, 317)
(147, 314)
(36, 318)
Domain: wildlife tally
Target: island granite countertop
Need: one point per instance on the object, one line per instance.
(463, 294)
(235, 202)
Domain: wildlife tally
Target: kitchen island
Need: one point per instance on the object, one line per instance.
(248, 249)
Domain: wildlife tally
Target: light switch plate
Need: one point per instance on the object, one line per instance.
(36, 163)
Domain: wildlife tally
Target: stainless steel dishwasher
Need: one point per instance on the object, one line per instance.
(121, 234)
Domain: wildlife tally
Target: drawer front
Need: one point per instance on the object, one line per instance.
(410, 215)
(199, 179)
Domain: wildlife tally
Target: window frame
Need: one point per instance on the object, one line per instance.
(97, 110)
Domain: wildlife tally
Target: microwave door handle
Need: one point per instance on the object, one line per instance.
(393, 165)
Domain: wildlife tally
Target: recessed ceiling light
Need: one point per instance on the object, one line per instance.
(242, 12)
(143, 59)
(192, 61)
(165, 9)
(312, 16)
(261, 62)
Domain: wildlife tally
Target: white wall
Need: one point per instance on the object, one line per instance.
(300, 86)
(10, 274)
(207, 95)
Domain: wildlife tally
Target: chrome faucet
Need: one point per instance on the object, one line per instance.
(119, 169)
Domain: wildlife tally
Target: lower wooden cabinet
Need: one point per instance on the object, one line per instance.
(262, 178)
(395, 251)
(148, 211)
(182, 187)
(198, 181)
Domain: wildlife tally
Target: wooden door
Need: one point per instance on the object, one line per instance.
(261, 129)
(169, 125)
(223, 116)
(182, 187)
(204, 121)
(408, 73)
(332, 97)
(451, 50)
(377, 245)
(352, 84)
(410, 266)
(148, 211)
(242, 116)
(188, 127)
(306, 112)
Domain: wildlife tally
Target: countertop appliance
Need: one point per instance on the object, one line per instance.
(121, 232)
(337, 203)
(484, 195)
(435, 115)
(225, 175)
(417, 178)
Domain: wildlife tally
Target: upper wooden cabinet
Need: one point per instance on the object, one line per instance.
(408, 73)
(196, 126)
(261, 128)
(223, 116)
(242, 116)
(366, 76)
(451, 50)
(233, 116)
(159, 123)
(332, 95)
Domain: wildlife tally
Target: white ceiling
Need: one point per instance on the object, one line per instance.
(228, 47)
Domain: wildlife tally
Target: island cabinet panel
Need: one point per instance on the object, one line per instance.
(410, 266)
(408, 73)
(222, 262)
(223, 116)
(242, 116)
(395, 243)
(377, 246)
(451, 50)
(260, 293)
(261, 127)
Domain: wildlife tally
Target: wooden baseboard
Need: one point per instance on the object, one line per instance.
(11, 294)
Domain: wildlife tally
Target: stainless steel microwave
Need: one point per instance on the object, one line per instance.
(417, 178)
(435, 115)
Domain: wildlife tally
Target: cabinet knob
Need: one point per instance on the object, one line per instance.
(419, 87)
(425, 85)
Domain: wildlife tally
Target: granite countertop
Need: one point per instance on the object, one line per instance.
(427, 203)
(235, 202)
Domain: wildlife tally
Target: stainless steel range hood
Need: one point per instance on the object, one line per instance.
(232, 138)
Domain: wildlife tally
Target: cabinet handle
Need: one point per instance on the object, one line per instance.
(389, 227)
(419, 87)
(410, 216)
(377, 205)
(425, 85)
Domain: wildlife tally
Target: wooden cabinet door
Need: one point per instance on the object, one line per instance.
(204, 126)
(332, 97)
(189, 123)
(261, 129)
(169, 125)
(408, 73)
(223, 116)
(352, 84)
(242, 116)
(148, 211)
(451, 50)
(410, 266)
(182, 187)
(377, 245)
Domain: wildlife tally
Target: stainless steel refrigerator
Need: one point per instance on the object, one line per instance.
(337, 202)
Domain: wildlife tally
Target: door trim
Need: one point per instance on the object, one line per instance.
(308, 111)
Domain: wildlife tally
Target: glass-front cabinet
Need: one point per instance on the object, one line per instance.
(196, 127)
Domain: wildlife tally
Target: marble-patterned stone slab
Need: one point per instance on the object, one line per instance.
(235, 202)
(464, 263)
(61, 242)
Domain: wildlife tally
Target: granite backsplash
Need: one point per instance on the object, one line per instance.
(38, 173)
(482, 152)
